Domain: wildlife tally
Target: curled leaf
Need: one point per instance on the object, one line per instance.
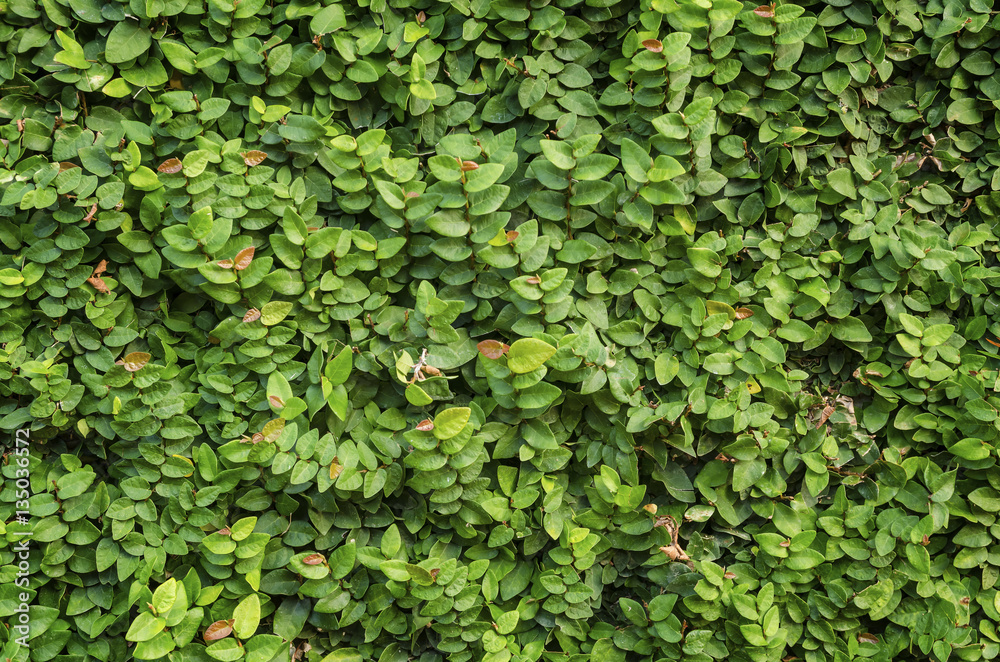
(171, 166)
(533, 280)
(257, 438)
(134, 361)
(314, 559)
(469, 165)
(867, 638)
(219, 630)
(102, 287)
(425, 425)
(252, 315)
(243, 259)
(993, 342)
(653, 45)
(253, 157)
(492, 349)
(729, 574)
(421, 17)
(335, 469)
(276, 401)
(434, 573)
(765, 11)
(743, 313)
(100, 268)
(90, 214)
(431, 371)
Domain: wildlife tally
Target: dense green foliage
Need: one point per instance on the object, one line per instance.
(501, 330)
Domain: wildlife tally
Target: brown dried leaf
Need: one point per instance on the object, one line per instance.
(257, 438)
(491, 349)
(867, 638)
(66, 165)
(254, 157)
(102, 287)
(827, 413)
(225, 264)
(219, 630)
(425, 425)
(171, 166)
(653, 45)
(533, 280)
(314, 559)
(434, 574)
(469, 165)
(512, 235)
(90, 214)
(729, 575)
(431, 370)
(134, 361)
(243, 259)
(101, 267)
(743, 313)
(252, 315)
(765, 11)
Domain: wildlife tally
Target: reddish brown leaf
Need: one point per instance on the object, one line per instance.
(411, 194)
(252, 315)
(425, 425)
(469, 165)
(243, 259)
(276, 401)
(431, 370)
(867, 638)
(171, 166)
(134, 361)
(533, 280)
(90, 214)
(66, 165)
(729, 575)
(743, 313)
(421, 17)
(257, 438)
(219, 630)
(314, 559)
(101, 267)
(102, 287)
(765, 11)
(653, 45)
(224, 531)
(512, 235)
(254, 157)
(225, 264)
(434, 574)
(491, 349)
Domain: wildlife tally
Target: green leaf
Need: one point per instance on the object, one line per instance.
(451, 421)
(328, 19)
(127, 41)
(246, 616)
(527, 354)
(144, 627)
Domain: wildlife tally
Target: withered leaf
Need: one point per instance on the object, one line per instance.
(491, 349)
(653, 45)
(219, 630)
(134, 361)
(171, 166)
(252, 315)
(254, 157)
(243, 259)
